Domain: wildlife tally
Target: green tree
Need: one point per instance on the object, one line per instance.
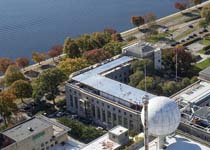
(135, 78)
(114, 48)
(150, 84)
(13, 74)
(170, 88)
(48, 83)
(7, 105)
(70, 65)
(140, 64)
(70, 48)
(21, 89)
(38, 57)
(185, 82)
(203, 24)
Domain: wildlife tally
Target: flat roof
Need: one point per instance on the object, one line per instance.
(205, 72)
(194, 93)
(178, 142)
(21, 131)
(37, 124)
(102, 143)
(118, 130)
(94, 79)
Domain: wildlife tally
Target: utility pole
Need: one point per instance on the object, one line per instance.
(145, 100)
(176, 65)
(146, 133)
(145, 79)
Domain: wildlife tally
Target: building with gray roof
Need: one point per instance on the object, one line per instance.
(205, 74)
(102, 94)
(36, 133)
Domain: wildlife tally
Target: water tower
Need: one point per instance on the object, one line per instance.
(163, 118)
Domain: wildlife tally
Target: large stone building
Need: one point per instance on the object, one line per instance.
(100, 92)
(37, 133)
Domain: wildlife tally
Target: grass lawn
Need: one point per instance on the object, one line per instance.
(156, 38)
(205, 42)
(184, 34)
(201, 51)
(204, 64)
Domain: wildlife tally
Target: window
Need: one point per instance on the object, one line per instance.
(113, 109)
(130, 115)
(113, 137)
(125, 122)
(108, 106)
(119, 119)
(98, 113)
(42, 144)
(119, 111)
(125, 113)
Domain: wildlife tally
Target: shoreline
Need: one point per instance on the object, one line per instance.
(134, 30)
(124, 34)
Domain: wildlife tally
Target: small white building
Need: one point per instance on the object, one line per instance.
(37, 133)
(113, 140)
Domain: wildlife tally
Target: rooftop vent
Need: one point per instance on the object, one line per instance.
(30, 129)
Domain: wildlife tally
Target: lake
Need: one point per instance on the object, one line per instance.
(36, 25)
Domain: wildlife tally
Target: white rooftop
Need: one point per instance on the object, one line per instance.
(118, 130)
(178, 143)
(102, 143)
(195, 93)
(94, 79)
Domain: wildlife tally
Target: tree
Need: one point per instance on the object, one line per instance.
(56, 50)
(21, 89)
(117, 37)
(110, 31)
(135, 78)
(7, 105)
(71, 48)
(203, 24)
(150, 84)
(140, 64)
(22, 62)
(96, 55)
(205, 10)
(137, 20)
(4, 64)
(149, 17)
(196, 2)
(180, 6)
(184, 61)
(114, 48)
(48, 83)
(38, 57)
(13, 74)
(170, 88)
(70, 65)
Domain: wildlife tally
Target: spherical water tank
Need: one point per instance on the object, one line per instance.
(163, 116)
